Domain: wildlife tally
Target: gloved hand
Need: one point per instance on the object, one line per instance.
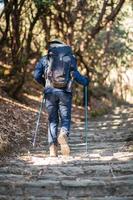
(83, 80)
(74, 74)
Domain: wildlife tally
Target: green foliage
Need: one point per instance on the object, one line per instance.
(41, 3)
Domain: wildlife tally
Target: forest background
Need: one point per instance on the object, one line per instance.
(100, 32)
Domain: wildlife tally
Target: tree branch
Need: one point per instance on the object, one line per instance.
(111, 17)
(114, 13)
(98, 25)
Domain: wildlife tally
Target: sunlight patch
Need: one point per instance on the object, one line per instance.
(50, 160)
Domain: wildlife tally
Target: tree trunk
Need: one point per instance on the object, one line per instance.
(15, 79)
(8, 7)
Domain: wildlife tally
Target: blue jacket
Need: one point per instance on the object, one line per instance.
(40, 69)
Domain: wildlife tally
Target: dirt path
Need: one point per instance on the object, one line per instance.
(104, 173)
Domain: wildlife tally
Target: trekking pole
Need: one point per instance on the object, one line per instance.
(86, 117)
(37, 123)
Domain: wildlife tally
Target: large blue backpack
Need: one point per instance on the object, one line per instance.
(59, 65)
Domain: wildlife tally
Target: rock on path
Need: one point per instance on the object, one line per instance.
(105, 172)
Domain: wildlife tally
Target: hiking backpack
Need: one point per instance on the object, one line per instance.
(59, 66)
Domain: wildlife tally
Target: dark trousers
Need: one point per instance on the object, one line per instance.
(58, 105)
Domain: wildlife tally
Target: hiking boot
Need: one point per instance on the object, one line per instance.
(63, 141)
(53, 150)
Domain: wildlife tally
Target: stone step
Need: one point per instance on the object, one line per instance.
(12, 177)
(26, 197)
(71, 177)
(102, 198)
(77, 188)
(105, 123)
(92, 137)
(78, 168)
(100, 147)
(103, 129)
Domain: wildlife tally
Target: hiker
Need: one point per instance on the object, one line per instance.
(56, 71)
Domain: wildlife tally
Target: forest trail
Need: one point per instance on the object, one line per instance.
(104, 173)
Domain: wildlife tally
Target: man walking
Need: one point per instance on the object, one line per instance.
(56, 71)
